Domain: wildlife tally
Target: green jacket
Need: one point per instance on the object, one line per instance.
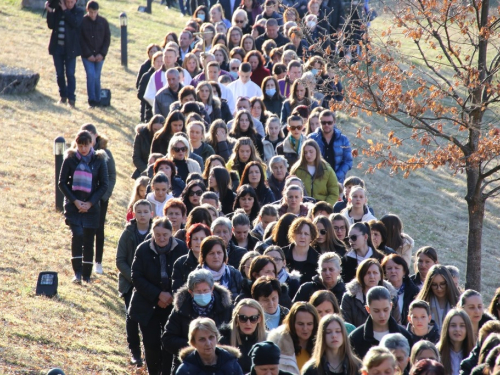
(127, 244)
(325, 188)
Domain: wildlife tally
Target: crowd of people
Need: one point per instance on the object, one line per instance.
(249, 246)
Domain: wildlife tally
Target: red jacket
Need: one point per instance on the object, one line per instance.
(259, 74)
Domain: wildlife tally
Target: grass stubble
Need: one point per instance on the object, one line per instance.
(82, 330)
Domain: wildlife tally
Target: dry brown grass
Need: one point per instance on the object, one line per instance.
(82, 330)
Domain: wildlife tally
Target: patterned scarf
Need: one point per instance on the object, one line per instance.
(296, 144)
(223, 276)
(82, 177)
(162, 251)
(204, 310)
(283, 275)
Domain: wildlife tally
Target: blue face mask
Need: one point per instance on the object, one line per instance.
(202, 299)
(314, 71)
(233, 74)
(270, 92)
(201, 17)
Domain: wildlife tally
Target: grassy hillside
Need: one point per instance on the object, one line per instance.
(82, 330)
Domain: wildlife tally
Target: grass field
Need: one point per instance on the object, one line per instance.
(82, 330)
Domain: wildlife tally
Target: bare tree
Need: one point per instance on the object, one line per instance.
(446, 92)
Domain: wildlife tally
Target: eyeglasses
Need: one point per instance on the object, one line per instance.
(253, 318)
(197, 192)
(278, 259)
(323, 232)
(179, 149)
(439, 286)
(239, 21)
(339, 228)
(292, 128)
(326, 122)
(234, 68)
(353, 237)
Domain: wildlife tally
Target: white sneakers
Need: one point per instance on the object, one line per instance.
(98, 268)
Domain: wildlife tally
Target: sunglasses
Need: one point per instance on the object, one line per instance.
(292, 128)
(197, 192)
(353, 237)
(179, 149)
(253, 318)
(239, 21)
(234, 68)
(322, 232)
(326, 122)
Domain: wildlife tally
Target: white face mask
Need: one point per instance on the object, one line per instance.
(311, 24)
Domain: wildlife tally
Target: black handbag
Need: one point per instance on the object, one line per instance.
(105, 98)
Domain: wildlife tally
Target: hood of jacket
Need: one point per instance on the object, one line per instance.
(183, 294)
(354, 289)
(175, 242)
(227, 352)
(100, 154)
(101, 142)
(283, 339)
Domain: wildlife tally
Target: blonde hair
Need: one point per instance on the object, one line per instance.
(200, 124)
(141, 181)
(376, 356)
(175, 139)
(353, 190)
(345, 351)
(261, 327)
(204, 324)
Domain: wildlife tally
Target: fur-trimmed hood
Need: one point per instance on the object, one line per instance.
(101, 154)
(354, 289)
(183, 294)
(140, 128)
(283, 339)
(235, 352)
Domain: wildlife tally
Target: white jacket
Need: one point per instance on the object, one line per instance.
(150, 93)
(288, 362)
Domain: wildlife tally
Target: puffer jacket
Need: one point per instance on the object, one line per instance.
(306, 290)
(285, 342)
(353, 303)
(175, 336)
(325, 188)
(146, 277)
(100, 183)
(227, 362)
(182, 268)
(142, 146)
(127, 244)
(367, 215)
(342, 150)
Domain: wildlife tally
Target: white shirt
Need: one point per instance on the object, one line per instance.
(151, 91)
(379, 335)
(248, 89)
(228, 96)
(353, 254)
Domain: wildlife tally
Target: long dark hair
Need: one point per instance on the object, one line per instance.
(236, 132)
(394, 228)
(280, 230)
(289, 324)
(187, 190)
(223, 180)
(247, 190)
(164, 135)
(244, 177)
(156, 119)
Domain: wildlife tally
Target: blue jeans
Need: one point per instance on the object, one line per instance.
(65, 73)
(93, 70)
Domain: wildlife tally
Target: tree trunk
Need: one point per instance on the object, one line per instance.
(475, 205)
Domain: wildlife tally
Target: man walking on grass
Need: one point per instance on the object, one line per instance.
(65, 21)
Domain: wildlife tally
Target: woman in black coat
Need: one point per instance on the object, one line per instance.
(219, 181)
(142, 143)
(83, 181)
(201, 296)
(146, 109)
(329, 266)
(152, 300)
(396, 271)
(187, 263)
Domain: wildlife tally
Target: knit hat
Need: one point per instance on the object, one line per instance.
(265, 353)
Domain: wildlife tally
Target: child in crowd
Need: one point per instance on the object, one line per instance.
(139, 192)
(159, 196)
(420, 323)
(134, 234)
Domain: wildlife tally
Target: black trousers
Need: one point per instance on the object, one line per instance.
(99, 236)
(82, 250)
(157, 360)
(131, 326)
